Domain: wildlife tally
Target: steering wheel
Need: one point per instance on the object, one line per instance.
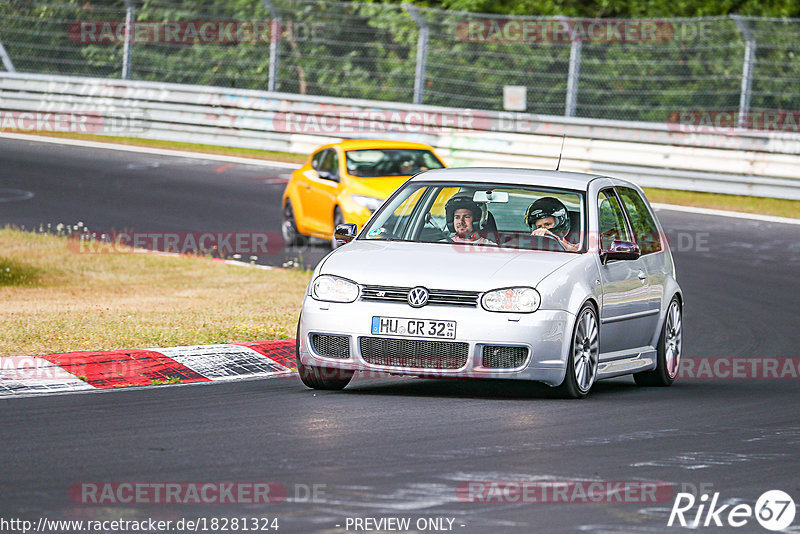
(547, 241)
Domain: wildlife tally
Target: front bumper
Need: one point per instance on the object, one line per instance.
(544, 333)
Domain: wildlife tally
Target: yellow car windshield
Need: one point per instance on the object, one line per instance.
(376, 162)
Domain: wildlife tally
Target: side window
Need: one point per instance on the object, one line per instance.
(325, 160)
(317, 159)
(612, 220)
(331, 162)
(644, 227)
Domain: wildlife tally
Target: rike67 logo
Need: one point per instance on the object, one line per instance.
(774, 510)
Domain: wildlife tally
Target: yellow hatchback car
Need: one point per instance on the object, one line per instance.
(346, 182)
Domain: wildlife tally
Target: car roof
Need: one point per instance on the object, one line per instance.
(563, 179)
(361, 144)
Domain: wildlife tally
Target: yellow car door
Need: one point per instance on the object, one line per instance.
(301, 183)
(320, 194)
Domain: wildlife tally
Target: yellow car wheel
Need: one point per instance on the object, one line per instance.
(291, 237)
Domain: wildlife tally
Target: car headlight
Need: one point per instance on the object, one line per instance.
(512, 300)
(333, 289)
(371, 203)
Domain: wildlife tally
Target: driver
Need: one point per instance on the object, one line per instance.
(548, 217)
(461, 214)
(411, 166)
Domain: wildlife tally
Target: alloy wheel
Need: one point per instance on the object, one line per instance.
(672, 339)
(586, 350)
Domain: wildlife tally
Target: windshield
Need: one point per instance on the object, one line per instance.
(494, 215)
(390, 162)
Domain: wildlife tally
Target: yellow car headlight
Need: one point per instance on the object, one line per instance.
(371, 203)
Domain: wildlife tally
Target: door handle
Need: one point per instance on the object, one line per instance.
(642, 276)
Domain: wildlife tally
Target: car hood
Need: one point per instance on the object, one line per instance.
(380, 187)
(441, 265)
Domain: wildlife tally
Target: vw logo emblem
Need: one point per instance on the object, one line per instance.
(418, 297)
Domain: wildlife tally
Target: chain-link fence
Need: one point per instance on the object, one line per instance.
(616, 69)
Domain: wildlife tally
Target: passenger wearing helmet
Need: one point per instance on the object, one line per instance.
(548, 216)
(463, 216)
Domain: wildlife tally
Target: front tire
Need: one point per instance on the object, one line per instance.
(668, 351)
(584, 356)
(289, 227)
(323, 378)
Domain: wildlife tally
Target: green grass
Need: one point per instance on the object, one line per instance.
(161, 382)
(759, 205)
(75, 301)
(17, 273)
(288, 157)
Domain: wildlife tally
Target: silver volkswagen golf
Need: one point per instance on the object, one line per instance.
(562, 278)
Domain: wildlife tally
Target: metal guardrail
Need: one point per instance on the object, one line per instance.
(655, 155)
(621, 69)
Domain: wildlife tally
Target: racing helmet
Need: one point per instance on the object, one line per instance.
(549, 207)
(463, 201)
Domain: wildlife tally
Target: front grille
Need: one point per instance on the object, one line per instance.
(437, 297)
(497, 357)
(331, 346)
(414, 353)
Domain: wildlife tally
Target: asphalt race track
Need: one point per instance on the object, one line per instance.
(401, 448)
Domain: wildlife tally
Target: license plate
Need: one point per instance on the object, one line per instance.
(400, 326)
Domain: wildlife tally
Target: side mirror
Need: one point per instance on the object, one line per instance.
(620, 250)
(344, 233)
